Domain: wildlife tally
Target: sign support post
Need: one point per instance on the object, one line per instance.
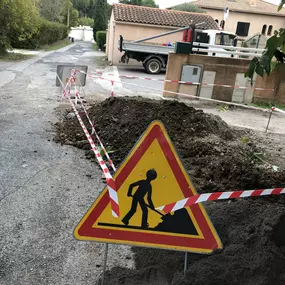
(185, 262)
(269, 120)
(105, 262)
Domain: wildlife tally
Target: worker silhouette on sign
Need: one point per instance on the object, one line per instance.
(144, 188)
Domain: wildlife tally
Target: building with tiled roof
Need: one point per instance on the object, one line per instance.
(161, 17)
(137, 22)
(246, 17)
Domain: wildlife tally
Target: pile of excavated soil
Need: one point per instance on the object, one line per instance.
(217, 158)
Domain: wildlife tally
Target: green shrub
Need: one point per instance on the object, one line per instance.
(101, 39)
(85, 21)
(48, 33)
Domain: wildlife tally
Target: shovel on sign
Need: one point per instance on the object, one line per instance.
(180, 222)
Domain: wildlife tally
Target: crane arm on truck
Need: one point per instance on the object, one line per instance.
(154, 57)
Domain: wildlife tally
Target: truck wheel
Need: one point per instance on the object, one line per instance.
(153, 66)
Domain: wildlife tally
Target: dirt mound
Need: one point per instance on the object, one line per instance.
(218, 158)
(212, 152)
(252, 254)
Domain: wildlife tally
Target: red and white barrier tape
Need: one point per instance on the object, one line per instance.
(218, 196)
(177, 81)
(77, 94)
(278, 110)
(184, 95)
(109, 179)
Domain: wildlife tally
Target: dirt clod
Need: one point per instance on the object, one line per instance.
(217, 158)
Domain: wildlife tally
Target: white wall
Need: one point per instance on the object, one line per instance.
(82, 33)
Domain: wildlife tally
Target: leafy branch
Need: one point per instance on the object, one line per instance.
(272, 56)
(275, 52)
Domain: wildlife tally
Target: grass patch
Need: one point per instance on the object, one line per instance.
(11, 56)
(268, 105)
(57, 45)
(95, 47)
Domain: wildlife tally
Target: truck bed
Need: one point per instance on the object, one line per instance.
(147, 48)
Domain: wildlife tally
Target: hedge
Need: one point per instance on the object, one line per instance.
(101, 39)
(48, 33)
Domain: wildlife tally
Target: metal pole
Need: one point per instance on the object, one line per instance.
(68, 15)
(161, 35)
(185, 262)
(269, 120)
(165, 34)
(105, 263)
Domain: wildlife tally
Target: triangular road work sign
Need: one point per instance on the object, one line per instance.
(152, 175)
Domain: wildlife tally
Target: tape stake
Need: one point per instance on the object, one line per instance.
(219, 196)
(278, 110)
(93, 129)
(112, 92)
(111, 185)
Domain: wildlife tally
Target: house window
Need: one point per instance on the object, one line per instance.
(217, 21)
(242, 29)
(222, 24)
(264, 29)
(269, 32)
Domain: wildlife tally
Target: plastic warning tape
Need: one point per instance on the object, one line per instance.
(109, 179)
(77, 94)
(218, 196)
(278, 110)
(179, 81)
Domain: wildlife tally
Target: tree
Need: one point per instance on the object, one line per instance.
(273, 55)
(18, 18)
(91, 9)
(52, 9)
(85, 21)
(188, 7)
(82, 6)
(100, 17)
(148, 3)
(131, 2)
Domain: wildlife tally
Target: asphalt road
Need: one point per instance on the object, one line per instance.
(45, 188)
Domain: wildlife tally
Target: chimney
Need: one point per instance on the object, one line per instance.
(252, 2)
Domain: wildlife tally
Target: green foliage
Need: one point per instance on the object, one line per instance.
(52, 10)
(57, 11)
(82, 6)
(100, 17)
(148, 3)
(244, 140)
(223, 108)
(101, 39)
(56, 45)
(13, 56)
(274, 53)
(282, 3)
(268, 105)
(85, 21)
(18, 19)
(131, 2)
(188, 7)
(109, 150)
(48, 33)
(261, 157)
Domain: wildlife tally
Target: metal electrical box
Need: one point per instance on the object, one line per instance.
(191, 73)
(64, 73)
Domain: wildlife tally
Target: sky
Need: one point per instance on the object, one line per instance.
(169, 3)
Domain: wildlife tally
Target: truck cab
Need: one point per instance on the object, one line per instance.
(216, 38)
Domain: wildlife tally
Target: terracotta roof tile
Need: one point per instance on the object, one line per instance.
(243, 6)
(156, 16)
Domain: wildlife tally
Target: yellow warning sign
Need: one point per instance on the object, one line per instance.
(152, 175)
